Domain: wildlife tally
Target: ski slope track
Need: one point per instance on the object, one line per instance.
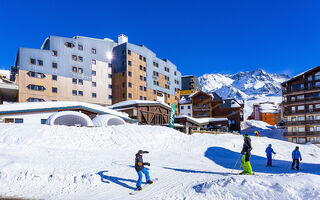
(59, 162)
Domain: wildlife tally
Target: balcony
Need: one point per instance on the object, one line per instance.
(307, 111)
(304, 122)
(302, 134)
(306, 99)
(298, 90)
(201, 108)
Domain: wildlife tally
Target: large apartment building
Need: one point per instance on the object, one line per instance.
(189, 85)
(65, 69)
(301, 104)
(139, 74)
(85, 69)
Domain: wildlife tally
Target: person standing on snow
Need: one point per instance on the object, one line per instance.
(269, 152)
(295, 158)
(246, 152)
(139, 166)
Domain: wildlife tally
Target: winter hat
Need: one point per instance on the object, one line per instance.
(297, 147)
(246, 136)
(140, 152)
(270, 145)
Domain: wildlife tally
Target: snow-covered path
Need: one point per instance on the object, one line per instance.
(58, 162)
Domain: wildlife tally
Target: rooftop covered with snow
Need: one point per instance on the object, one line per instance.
(130, 103)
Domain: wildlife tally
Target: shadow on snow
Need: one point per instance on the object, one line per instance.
(227, 159)
(117, 180)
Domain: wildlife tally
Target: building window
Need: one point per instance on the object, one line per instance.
(140, 57)
(144, 79)
(293, 119)
(301, 129)
(54, 77)
(129, 73)
(74, 57)
(129, 63)
(301, 118)
(129, 84)
(94, 51)
(110, 96)
(310, 78)
(80, 93)
(94, 95)
(317, 117)
(175, 73)
(144, 98)
(36, 87)
(300, 107)
(233, 122)
(294, 140)
(80, 58)
(144, 59)
(32, 61)
(129, 52)
(54, 53)
(74, 69)
(54, 65)
(74, 92)
(189, 107)
(94, 84)
(317, 76)
(110, 65)
(80, 70)
(129, 95)
(94, 61)
(197, 114)
(94, 73)
(141, 77)
(43, 121)
(144, 89)
(311, 118)
(18, 120)
(109, 75)
(197, 105)
(154, 91)
(40, 62)
(182, 107)
(233, 112)
(205, 113)
(69, 44)
(144, 69)
(294, 129)
(141, 97)
(141, 87)
(74, 81)
(123, 84)
(123, 52)
(141, 68)
(80, 82)
(80, 47)
(110, 86)
(54, 90)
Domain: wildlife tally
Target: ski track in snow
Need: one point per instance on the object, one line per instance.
(59, 162)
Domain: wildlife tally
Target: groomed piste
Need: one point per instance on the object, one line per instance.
(62, 162)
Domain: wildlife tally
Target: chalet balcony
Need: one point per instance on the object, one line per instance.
(201, 109)
(304, 122)
(305, 100)
(307, 111)
(302, 134)
(299, 90)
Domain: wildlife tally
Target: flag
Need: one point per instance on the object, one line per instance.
(172, 115)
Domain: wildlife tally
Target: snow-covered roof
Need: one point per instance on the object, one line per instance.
(268, 107)
(132, 102)
(183, 100)
(205, 120)
(49, 105)
(175, 125)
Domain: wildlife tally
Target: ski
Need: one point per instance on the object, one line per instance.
(144, 187)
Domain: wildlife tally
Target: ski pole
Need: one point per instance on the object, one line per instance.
(235, 164)
(239, 169)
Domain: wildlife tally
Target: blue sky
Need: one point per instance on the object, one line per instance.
(200, 37)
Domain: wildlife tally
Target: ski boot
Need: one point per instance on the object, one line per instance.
(149, 182)
(139, 188)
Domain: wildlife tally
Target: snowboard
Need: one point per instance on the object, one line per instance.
(146, 186)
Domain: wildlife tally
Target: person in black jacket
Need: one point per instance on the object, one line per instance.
(139, 166)
(246, 152)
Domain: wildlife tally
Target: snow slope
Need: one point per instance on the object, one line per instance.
(59, 162)
(251, 86)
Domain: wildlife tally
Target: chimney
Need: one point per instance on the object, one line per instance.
(122, 39)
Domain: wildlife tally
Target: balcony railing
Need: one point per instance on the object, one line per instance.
(288, 91)
(303, 134)
(307, 111)
(201, 109)
(304, 122)
(306, 99)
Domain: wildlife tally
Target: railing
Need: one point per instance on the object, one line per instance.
(302, 100)
(307, 111)
(304, 122)
(201, 109)
(288, 91)
(306, 133)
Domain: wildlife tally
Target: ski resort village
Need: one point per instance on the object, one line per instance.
(163, 112)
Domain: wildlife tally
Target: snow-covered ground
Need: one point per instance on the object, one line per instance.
(59, 162)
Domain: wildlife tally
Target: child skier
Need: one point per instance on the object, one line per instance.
(139, 166)
(269, 152)
(246, 152)
(295, 158)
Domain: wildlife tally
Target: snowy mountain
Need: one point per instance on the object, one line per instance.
(251, 86)
(243, 85)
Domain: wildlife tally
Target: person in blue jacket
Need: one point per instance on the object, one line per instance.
(139, 166)
(269, 152)
(296, 155)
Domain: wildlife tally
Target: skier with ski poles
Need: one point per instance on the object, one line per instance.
(269, 152)
(296, 155)
(139, 166)
(246, 152)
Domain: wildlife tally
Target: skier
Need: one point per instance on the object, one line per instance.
(295, 158)
(139, 166)
(246, 152)
(269, 152)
